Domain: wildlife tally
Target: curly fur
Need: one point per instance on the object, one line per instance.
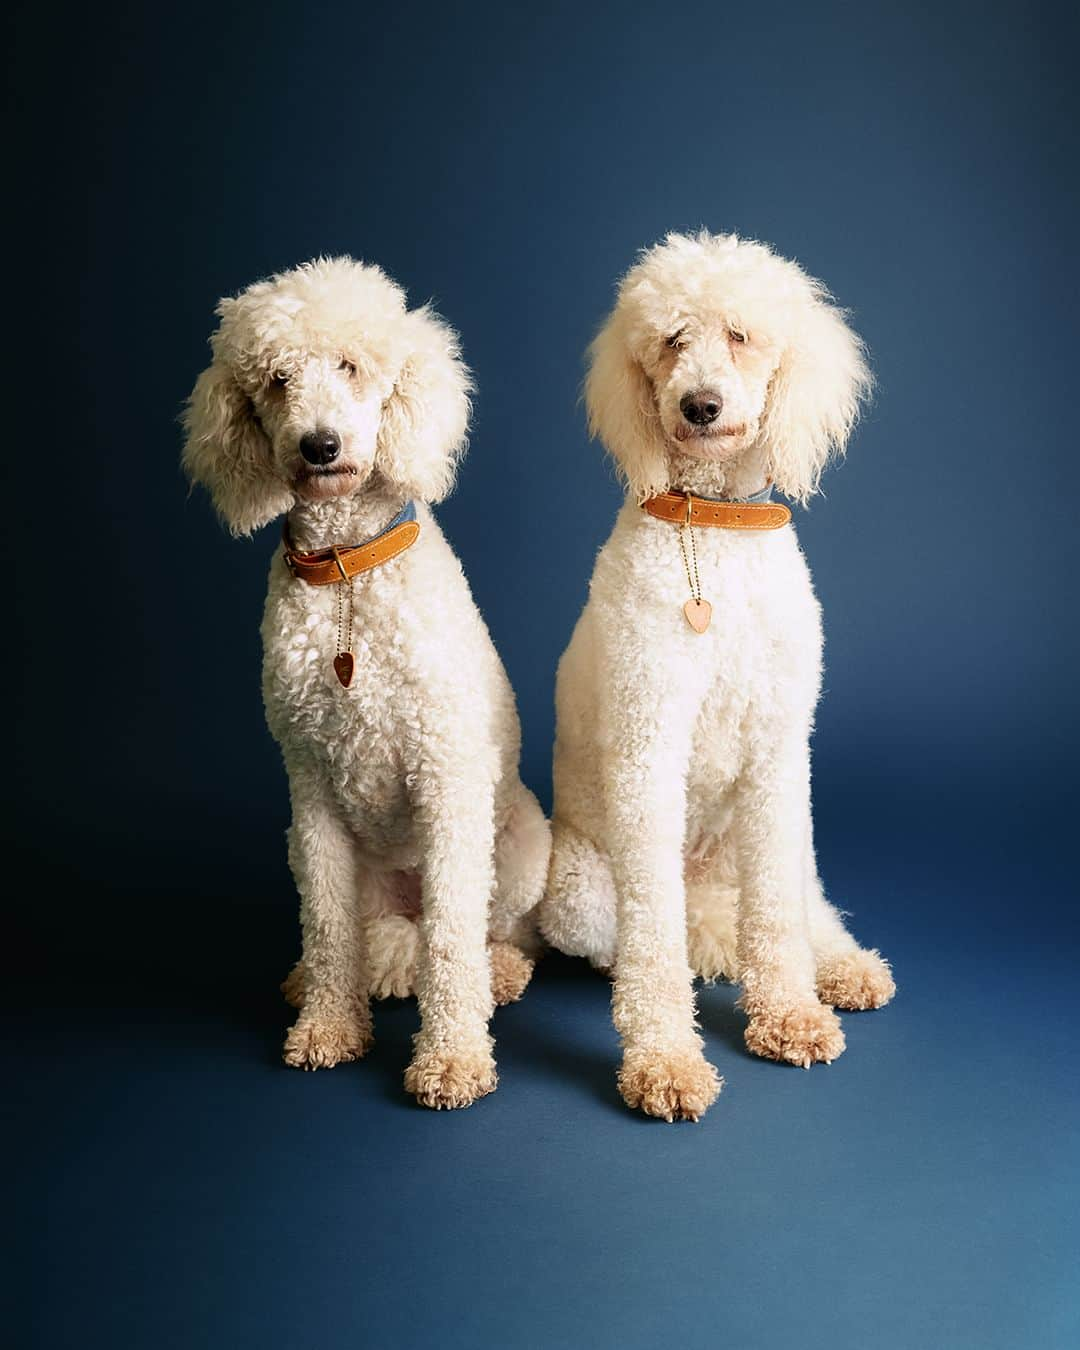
(682, 769)
(414, 844)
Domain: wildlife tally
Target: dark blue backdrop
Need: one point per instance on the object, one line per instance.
(178, 1188)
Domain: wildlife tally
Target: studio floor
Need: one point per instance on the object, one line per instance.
(176, 1186)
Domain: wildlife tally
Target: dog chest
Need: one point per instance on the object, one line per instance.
(364, 735)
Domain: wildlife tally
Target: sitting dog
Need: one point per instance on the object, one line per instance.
(418, 853)
(686, 696)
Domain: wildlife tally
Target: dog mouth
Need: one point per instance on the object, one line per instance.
(688, 432)
(329, 480)
(327, 471)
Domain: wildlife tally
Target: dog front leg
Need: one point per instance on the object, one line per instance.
(452, 1060)
(775, 956)
(663, 1070)
(334, 1024)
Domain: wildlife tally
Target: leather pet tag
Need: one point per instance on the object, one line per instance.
(698, 615)
(343, 666)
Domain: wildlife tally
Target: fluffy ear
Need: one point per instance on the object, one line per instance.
(228, 453)
(814, 398)
(424, 420)
(622, 411)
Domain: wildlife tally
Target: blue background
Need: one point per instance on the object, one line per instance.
(175, 1186)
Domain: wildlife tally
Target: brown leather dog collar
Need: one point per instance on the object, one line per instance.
(327, 566)
(683, 508)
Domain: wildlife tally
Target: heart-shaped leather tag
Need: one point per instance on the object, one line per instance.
(698, 614)
(343, 667)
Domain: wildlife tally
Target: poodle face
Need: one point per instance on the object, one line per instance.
(320, 379)
(321, 414)
(718, 347)
(710, 377)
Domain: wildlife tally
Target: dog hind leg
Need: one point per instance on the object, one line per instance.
(578, 912)
(711, 934)
(522, 854)
(848, 976)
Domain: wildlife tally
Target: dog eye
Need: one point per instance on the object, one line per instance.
(677, 340)
(347, 365)
(736, 335)
(278, 380)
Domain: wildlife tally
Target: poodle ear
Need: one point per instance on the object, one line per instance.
(622, 412)
(814, 398)
(425, 418)
(228, 453)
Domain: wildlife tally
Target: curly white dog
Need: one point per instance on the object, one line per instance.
(682, 824)
(418, 853)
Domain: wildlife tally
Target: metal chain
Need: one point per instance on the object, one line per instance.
(692, 577)
(341, 615)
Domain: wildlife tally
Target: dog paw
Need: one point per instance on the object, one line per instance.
(292, 986)
(322, 1037)
(447, 1081)
(855, 981)
(805, 1034)
(710, 946)
(672, 1087)
(511, 971)
(393, 945)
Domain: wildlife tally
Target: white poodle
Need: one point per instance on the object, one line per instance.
(418, 853)
(682, 825)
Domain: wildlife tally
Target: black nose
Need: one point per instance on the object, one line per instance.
(321, 446)
(701, 408)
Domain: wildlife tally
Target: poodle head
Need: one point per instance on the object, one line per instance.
(320, 379)
(717, 347)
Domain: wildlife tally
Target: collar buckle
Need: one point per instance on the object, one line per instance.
(340, 565)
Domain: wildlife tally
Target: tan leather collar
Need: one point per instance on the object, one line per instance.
(326, 566)
(683, 508)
